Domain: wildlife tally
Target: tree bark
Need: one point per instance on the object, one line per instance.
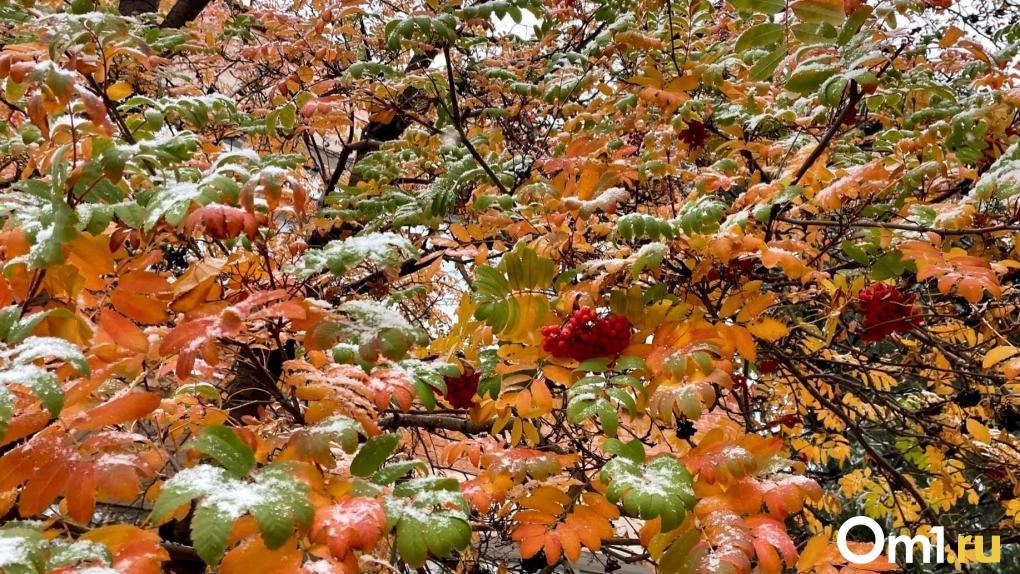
(136, 7)
(184, 11)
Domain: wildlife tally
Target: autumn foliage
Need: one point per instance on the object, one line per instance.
(506, 285)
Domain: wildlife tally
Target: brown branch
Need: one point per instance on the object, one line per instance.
(432, 422)
(856, 95)
(455, 113)
(902, 226)
(184, 11)
(884, 465)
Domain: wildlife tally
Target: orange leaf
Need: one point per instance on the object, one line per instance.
(252, 557)
(122, 408)
(123, 332)
(135, 551)
(81, 493)
(139, 307)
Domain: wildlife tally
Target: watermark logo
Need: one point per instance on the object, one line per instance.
(969, 549)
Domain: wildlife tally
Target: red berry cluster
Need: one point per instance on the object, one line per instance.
(695, 135)
(887, 310)
(586, 335)
(460, 389)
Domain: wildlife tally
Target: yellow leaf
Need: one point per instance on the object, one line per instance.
(979, 431)
(119, 91)
(998, 354)
(812, 552)
(745, 344)
(769, 329)
(557, 374)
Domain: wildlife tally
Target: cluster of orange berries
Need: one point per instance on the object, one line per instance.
(586, 335)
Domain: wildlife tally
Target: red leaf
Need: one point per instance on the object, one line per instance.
(222, 222)
(355, 523)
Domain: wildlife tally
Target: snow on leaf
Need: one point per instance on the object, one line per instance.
(770, 536)
(276, 499)
(352, 524)
(222, 444)
(661, 487)
(386, 250)
(314, 441)
(430, 517)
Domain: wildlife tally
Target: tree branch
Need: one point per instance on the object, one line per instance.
(184, 11)
(884, 466)
(902, 226)
(432, 422)
(455, 113)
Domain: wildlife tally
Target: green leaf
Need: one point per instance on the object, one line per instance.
(340, 429)
(580, 410)
(8, 317)
(759, 6)
(659, 488)
(284, 504)
(373, 453)
(386, 250)
(30, 542)
(854, 23)
(34, 348)
(681, 558)
(650, 256)
(186, 486)
(766, 65)
(596, 365)
(632, 450)
(425, 522)
(701, 216)
(274, 525)
(445, 532)
(764, 34)
(394, 472)
(210, 532)
(630, 363)
(887, 266)
(6, 409)
(223, 445)
(855, 252)
(78, 551)
(411, 542)
(819, 12)
(806, 78)
(632, 227)
(624, 398)
(608, 418)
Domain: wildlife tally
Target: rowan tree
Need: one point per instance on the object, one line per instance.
(505, 285)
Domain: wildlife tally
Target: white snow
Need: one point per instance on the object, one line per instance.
(371, 317)
(13, 550)
(334, 425)
(604, 201)
(98, 570)
(228, 495)
(82, 550)
(318, 567)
